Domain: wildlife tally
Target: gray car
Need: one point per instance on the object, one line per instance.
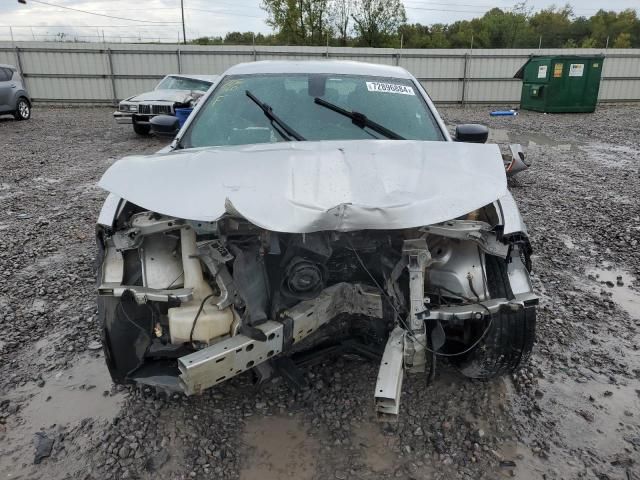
(14, 98)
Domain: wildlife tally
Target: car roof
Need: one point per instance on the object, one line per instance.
(207, 78)
(318, 66)
(4, 65)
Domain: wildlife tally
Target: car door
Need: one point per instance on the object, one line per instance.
(6, 89)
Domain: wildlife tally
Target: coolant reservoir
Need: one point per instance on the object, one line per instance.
(212, 322)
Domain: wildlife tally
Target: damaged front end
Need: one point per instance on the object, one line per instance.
(187, 305)
(268, 258)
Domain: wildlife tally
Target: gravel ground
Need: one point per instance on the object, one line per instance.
(573, 412)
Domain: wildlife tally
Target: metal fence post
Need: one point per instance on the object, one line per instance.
(255, 53)
(19, 62)
(113, 79)
(178, 54)
(464, 78)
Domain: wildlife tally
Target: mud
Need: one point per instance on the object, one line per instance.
(59, 399)
(279, 447)
(572, 412)
(619, 286)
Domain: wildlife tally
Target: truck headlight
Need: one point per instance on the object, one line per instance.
(133, 108)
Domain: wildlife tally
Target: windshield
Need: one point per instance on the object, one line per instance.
(230, 117)
(180, 83)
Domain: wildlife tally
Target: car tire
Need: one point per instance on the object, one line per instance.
(141, 129)
(505, 347)
(124, 340)
(508, 342)
(23, 109)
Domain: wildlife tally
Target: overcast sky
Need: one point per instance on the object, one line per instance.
(214, 17)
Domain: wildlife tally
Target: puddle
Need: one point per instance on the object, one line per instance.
(593, 416)
(499, 135)
(280, 449)
(528, 466)
(597, 416)
(67, 397)
(71, 395)
(624, 296)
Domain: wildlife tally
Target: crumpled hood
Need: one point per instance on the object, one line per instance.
(179, 96)
(302, 187)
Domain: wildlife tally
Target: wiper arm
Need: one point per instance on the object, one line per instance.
(273, 118)
(359, 119)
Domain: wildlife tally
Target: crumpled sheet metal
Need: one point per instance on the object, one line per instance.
(302, 187)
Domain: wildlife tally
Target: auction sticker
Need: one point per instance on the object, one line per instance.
(389, 88)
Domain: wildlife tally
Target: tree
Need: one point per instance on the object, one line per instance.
(207, 41)
(622, 41)
(589, 42)
(553, 25)
(438, 36)
(298, 22)
(239, 38)
(611, 24)
(340, 17)
(381, 23)
(414, 35)
(578, 32)
(376, 20)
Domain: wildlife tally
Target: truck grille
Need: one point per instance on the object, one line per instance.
(154, 109)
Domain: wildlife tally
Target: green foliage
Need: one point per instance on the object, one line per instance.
(299, 22)
(589, 42)
(207, 41)
(382, 23)
(622, 41)
(376, 21)
(553, 25)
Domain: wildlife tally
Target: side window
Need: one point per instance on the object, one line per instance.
(5, 74)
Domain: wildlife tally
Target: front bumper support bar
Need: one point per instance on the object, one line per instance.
(227, 358)
(390, 375)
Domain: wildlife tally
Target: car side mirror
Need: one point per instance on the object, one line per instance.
(472, 133)
(165, 125)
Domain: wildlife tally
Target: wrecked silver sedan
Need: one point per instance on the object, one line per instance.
(308, 209)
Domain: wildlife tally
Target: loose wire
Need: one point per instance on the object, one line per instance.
(406, 327)
(195, 320)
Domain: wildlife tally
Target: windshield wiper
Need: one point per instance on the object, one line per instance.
(359, 119)
(268, 111)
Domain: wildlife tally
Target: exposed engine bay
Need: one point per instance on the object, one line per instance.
(187, 305)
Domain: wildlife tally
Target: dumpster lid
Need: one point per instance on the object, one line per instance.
(520, 72)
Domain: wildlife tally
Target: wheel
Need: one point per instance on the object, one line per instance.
(141, 129)
(23, 109)
(505, 346)
(508, 342)
(126, 329)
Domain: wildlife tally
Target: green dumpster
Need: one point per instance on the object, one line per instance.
(560, 83)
